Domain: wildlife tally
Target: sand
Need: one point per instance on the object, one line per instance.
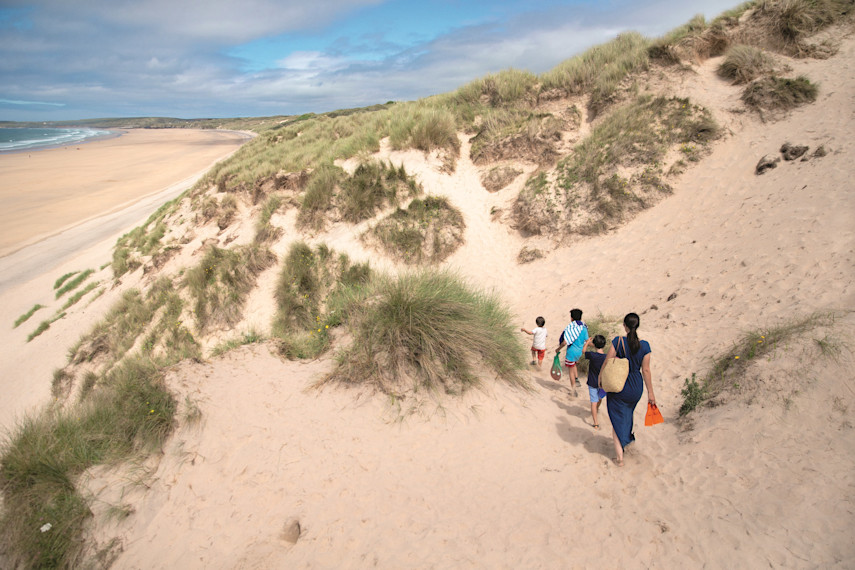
(508, 479)
(47, 191)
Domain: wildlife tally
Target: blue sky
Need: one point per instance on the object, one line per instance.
(78, 59)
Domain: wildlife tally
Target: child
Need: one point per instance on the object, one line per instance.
(574, 337)
(538, 342)
(596, 363)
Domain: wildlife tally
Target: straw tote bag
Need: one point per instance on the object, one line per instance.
(614, 371)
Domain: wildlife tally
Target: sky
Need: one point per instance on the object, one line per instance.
(62, 60)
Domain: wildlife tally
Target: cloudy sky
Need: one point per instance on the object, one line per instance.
(78, 59)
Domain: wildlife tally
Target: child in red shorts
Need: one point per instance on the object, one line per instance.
(538, 343)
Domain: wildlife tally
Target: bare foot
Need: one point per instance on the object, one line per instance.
(596, 426)
(618, 461)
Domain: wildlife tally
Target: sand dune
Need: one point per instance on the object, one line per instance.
(503, 478)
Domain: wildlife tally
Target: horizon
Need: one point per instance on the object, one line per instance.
(236, 60)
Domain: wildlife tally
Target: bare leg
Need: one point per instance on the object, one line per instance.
(618, 449)
(594, 409)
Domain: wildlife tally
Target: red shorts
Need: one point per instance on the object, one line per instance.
(569, 364)
(541, 352)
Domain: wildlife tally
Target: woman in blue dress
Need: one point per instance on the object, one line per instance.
(621, 405)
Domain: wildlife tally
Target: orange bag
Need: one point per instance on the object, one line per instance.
(653, 416)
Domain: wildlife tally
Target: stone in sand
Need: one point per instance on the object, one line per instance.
(291, 531)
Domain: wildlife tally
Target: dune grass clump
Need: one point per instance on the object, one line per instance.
(373, 186)
(265, 232)
(58, 283)
(318, 198)
(25, 317)
(779, 93)
(221, 281)
(427, 231)
(159, 311)
(428, 331)
(743, 64)
(728, 370)
(424, 127)
(43, 512)
(793, 20)
(308, 296)
(143, 240)
(506, 134)
(616, 169)
(600, 69)
(251, 336)
(79, 295)
(74, 283)
(508, 88)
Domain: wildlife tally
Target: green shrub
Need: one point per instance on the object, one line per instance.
(693, 395)
(428, 331)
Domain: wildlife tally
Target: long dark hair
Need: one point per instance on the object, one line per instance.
(631, 322)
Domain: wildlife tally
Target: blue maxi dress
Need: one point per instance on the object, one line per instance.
(621, 405)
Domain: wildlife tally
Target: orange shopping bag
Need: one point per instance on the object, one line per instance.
(653, 416)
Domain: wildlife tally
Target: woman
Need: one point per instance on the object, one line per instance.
(621, 405)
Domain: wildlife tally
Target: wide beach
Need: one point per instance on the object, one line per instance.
(46, 191)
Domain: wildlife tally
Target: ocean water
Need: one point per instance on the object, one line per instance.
(12, 140)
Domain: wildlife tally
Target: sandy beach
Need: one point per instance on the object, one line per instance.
(506, 478)
(46, 191)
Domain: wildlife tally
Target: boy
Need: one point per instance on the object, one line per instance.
(538, 342)
(596, 363)
(573, 337)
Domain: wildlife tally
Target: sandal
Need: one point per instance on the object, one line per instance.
(596, 426)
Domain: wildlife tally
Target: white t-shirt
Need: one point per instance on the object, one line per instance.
(539, 338)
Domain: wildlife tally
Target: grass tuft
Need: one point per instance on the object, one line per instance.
(23, 318)
(309, 296)
(418, 332)
(779, 93)
(427, 231)
(74, 283)
(744, 63)
(220, 283)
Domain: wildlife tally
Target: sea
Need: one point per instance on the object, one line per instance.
(26, 139)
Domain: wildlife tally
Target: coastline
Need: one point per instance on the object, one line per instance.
(49, 191)
(109, 134)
